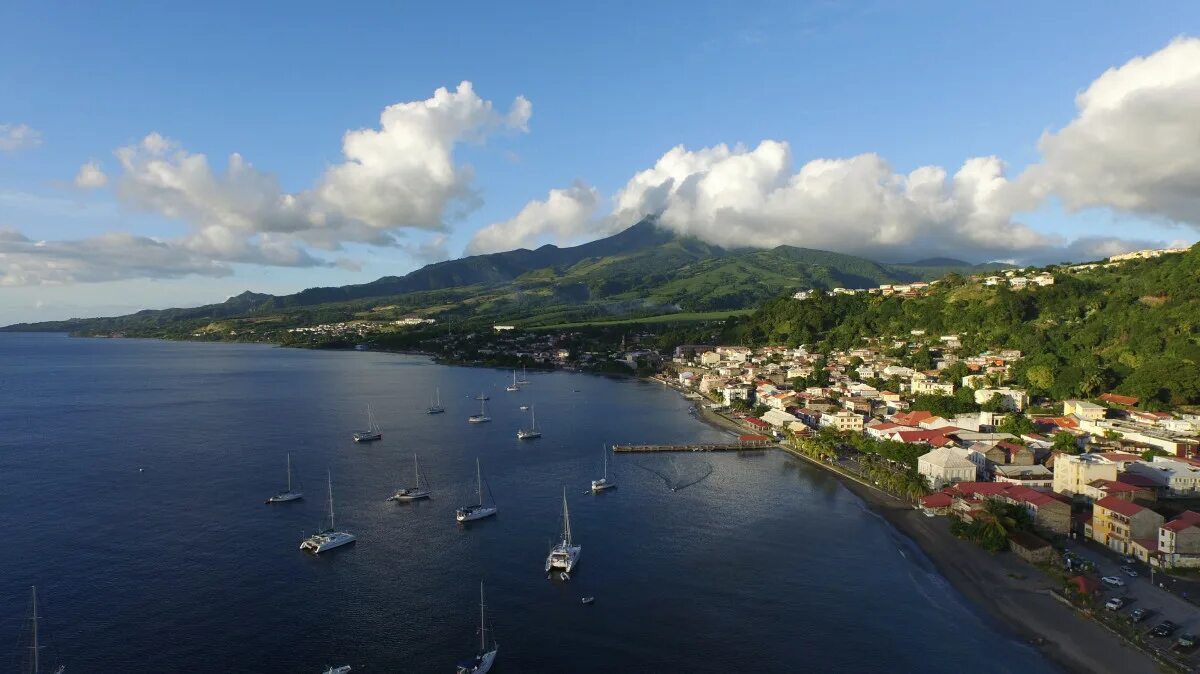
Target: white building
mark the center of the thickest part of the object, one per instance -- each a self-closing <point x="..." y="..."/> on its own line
<point x="946" y="465"/>
<point x="1174" y="478"/>
<point x="1072" y="474"/>
<point x="1013" y="399"/>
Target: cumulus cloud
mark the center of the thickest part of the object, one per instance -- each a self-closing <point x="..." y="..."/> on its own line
<point x="15" y="137"/>
<point x="753" y="197"/>
<point x="399" y="176"/>
<point x="90" y="176"/>
<point x="565" y="216"/>
<point x="109" y="257"/>
<point x="1134" y="145"/>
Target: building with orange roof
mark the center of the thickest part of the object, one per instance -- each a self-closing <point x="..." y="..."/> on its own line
<point x="1117" y="523"/>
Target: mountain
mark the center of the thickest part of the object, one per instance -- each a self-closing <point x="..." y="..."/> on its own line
<point x="641" y="270"/>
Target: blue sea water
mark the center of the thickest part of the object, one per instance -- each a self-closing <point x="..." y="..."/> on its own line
<point x="132" y="480"/>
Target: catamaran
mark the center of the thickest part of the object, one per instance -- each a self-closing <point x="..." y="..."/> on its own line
<point x="513" y="386"/>
<point x="36" y="649"/>
<point x="603" y="483"/>
<point x="531" y="432"/>
<point x="436" y="406"/>
<point x="372" y="433"/>
<point x="482" y="662"/>
<point x="482" y="417"/>
<point x="415" y="492"/>
<point x="329" y="538"/>
<point x="290" y="494"/>
<point x="478" y="510"/>
<point x="565" y="555"/>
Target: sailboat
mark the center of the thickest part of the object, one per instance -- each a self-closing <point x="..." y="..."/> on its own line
<point x="36" y="649"/>
<point x="289" y="495"/>
<point x="478" y="510"/>
<point x="565" y="555"/>
<point x="513" y="386"/>
<point x="372" y="433"/>
<point x="414" y="492"/>
<point x="523" y="379"/>
<point x="331" y="537"/>
<point x="483" y="396"/>
<point x="603" y="483"/>
<point x="482" y="662"/>
<point x="482" y="417"/>
<point x="436" y="406"/>
<point x="531" y="432"/>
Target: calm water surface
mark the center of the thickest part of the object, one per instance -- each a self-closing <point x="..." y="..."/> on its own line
<point x="763" y="564"/>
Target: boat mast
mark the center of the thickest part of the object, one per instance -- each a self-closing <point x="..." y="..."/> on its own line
<point x="605" y="463"/>
<point x="330" y="478"/>
<point x="482" y="625"/>
<point x="478" y="485"/>
<point x="34" y="618"/>
<point x="533" y="417"/>
<point x="566" y="519"/>
<point x="289" y="472"/>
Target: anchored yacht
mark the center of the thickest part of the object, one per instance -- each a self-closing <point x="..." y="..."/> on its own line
<point x="482" y="662"/>
<point x="290" y="494"/>
<point x="513" y="386"/>
<point x="435" y="407"/>
<point x="565" y="555"/>
<point x="531" y="432"/>
<point x="603" y="483"/>
<point x="415" y="492"/>
<point x="330" y="538"/>
<point x="478" y="510"/>
<point x="482" y="417"/>
<point x="372" y="433"/>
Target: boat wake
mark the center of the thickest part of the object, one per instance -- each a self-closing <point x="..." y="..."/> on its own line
<point x="678" y="479"/>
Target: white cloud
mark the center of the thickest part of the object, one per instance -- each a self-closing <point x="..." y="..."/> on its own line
<point x="565" y="215"/>
<point x="15" y="137"/>
<point x="90" y="176"/>
<point x="399" y="176"/>
<point x="752" y="197"/>
<point x="1134" y="145"/>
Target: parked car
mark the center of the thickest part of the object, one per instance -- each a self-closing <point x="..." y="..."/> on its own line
<point x="1164" y="629"/>
<point x="1130" y="571"/>
<point x="1186" y="640"/>
<point x="1112" y="581"/>
<point x="1137" y="615"/>
<point x="1115" y="604"/>
<point x="1128" y="560"/>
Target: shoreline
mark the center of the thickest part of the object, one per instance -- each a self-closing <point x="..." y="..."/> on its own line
<point x="1008" y="592"/>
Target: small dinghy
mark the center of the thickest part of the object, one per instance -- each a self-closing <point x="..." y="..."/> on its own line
<point x="587" y="600"/>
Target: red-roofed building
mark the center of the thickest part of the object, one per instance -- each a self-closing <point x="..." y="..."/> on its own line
<point x="1116" y="523"/>
<point x="753" y="438"/>
<point x="937" y="503"/>
<point x="758" y="423"/>
<point x="1098" y="489"/>
<point x="911" y="418"/>
<point x="1115" y="399"/>
<point x="1049" y="511"/>
<point x="1179" y="541"/>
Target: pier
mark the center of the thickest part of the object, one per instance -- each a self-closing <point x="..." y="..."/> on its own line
<point x="699" y="447"/>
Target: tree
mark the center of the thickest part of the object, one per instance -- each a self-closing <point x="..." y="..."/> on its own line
<point x="997" y="403"/>
<point x="1149" y="454"/>
<point x="1066" y="443"/>
<point x="1016" y="423"/>
<point x="954" y="372"/>
<point x="1040" y="377"/>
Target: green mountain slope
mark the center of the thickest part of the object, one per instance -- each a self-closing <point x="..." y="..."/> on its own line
<point x="1134" y="327"/>
<point x="643" y="270"/>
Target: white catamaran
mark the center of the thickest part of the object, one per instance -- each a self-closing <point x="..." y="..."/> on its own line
<point x="482" y="662"/>
<point x="329" y="538"/>
<point x="372" y="433"/>
<point x="35" y="658"/>
<point x="565" y="555"/>
<point x="436" y="406"/>
<point x="415" y="492"/>
<point x="482" y="417"/>
<point x="531" y="432"/>
<point x="478" y="510"/>
<point x="290" y="494"/>
<point x="603" y="483"/>
<point x="513" y="386"/>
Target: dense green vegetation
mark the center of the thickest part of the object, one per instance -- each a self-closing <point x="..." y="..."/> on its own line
<point x="642" y="272"/>
<point x="1133" y="328"/>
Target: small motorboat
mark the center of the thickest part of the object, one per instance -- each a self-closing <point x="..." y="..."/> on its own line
<point x="337" y="670"/>
<point x="587" y="600"/>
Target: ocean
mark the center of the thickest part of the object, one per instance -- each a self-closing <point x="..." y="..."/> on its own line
<point x="133" y="475"/>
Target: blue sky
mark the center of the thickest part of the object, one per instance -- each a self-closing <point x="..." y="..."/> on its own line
<point x="612" y="88"/>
